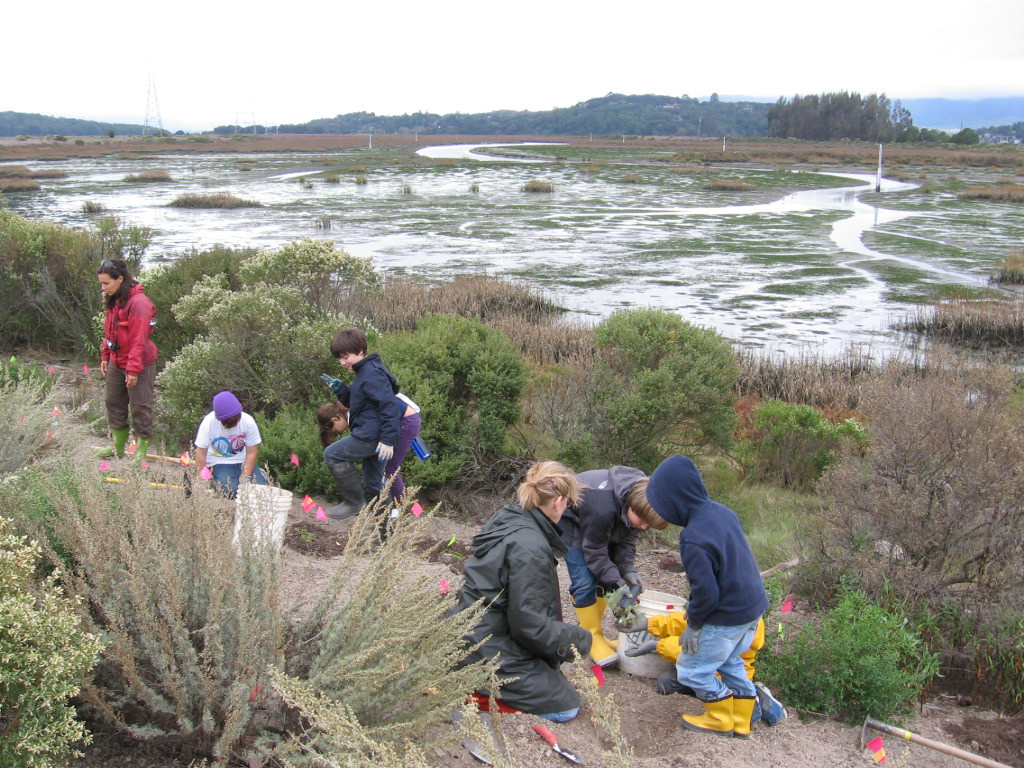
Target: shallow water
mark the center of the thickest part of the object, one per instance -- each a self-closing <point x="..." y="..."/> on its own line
<point x="781" y="268"/>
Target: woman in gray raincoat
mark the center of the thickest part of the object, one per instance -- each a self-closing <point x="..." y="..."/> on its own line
<point x="513" y="569"/>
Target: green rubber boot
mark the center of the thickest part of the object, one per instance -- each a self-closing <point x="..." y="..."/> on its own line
<point x="141" y="447"/>
<point x="118" y="439"/>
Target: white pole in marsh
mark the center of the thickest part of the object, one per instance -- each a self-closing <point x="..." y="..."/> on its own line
<point x="878" y="178"/>
<point x="370" y="135"/>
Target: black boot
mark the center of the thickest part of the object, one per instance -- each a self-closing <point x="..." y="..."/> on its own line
<point x="349" y="483"/>
<point x="668" y="684"/>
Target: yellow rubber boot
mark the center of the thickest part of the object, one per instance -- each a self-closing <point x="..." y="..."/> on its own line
<point x="602" y="604"/>
<point x="717" y="718"/>
<point x="590" y="619"/>
<point x="742" y="711"/>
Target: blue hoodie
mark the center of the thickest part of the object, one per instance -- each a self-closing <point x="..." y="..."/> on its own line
<point x="725" y="584"/>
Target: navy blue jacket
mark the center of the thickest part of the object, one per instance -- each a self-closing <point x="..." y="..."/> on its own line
<point x="375" y="414"/>
<point x="725" y="585"/>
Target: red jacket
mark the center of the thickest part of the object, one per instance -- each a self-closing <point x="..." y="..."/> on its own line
<point x="130" y="327"/>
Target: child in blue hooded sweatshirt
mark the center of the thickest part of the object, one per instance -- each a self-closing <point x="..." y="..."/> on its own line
<point x="727" y="598"/>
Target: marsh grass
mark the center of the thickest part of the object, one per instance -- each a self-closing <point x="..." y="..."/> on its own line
<point x="1010" y="193"/>
<point x="974" y="322"/>
<point x="148" y="177"/>
<point x="14" y="184"/>
<point x="536" y="185"/>
<point x="91" y="206"/>
<point x="812" y="379"/>
<point x="1011" y="269"/>
<point x="729" y="185"/>
<point x="632" y="178"/>
<point x="332" y="177"/>
<point x="360" y="180"/>
<point x="218" y="200"/>
<point x="15" y="171"/>
<point x="48" y="173"/>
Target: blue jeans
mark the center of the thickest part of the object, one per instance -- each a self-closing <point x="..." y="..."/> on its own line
<point x="561" y="717"/>
<point x="352" y="449"/>
<point x="227" y="477"/>
<point x="718" y="651"/>
<point x="583" y="587"/>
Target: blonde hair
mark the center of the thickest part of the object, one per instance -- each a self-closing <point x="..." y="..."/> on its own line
<point x="545" y="481"/>
<point x="636" y="499"/>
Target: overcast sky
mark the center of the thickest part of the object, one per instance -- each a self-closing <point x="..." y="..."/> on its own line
<point x="290" y="62"/>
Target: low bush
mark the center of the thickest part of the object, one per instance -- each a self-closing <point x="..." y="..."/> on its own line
<point x="293" y="429"/>
<point x="27" y="405"/>
<point x="44" y="657"/>
<point x="91" y="206"/>
<point x="794" y="444"/>
<point x="468" y="381"/>
<point x="932" y="509"/>
<point x="860" y="661"/>
<point x="191" y="620"/>
<point x="397" y="687"/>
<point x="219" y="200"/>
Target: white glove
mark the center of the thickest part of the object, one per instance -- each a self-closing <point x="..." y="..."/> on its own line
<point x="385" y="452"/>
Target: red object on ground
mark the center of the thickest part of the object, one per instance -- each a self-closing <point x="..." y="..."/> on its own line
<point x="483" y="703"/>
<point x="599" y="674"/>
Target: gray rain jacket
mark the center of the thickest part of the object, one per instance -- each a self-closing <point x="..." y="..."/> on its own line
<point x="513" y="569"/>
<point x="598" y="524"/>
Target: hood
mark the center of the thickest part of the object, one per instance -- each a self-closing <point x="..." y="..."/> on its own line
<point x="507" y="521"/>
<point x="676" y="490"/>
<point x="622" y="480"/>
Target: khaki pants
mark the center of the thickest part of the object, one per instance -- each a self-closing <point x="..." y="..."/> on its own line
<point x="139" y="400"/>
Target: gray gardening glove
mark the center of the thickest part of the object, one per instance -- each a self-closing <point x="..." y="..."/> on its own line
<point x="385" y="452"/>
<point x="632" y="579"/>
<point x="627" y="625"/>
<point x="644" y="648"/>
<point x="337" y="385"/>
<point x="690" y="641"/>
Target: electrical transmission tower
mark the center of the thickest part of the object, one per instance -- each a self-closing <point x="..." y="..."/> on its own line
<point x="152" y="109"/>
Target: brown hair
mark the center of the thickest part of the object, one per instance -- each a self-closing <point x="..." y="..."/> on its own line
<point x="349" y="341"/>
<point x="232" y="421"/>
<point x="116" y="268"/>
<point x="325" y="416"/>
<point x="545" y="481"/>
<point x="636" y="499"/>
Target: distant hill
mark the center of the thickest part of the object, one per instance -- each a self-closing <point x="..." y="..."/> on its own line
<point x="28" y="124"/>
<point x="613" y="114"/>
<point x="952" y="114"/>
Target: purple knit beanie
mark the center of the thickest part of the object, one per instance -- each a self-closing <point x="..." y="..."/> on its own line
<point x="226" y="405"/>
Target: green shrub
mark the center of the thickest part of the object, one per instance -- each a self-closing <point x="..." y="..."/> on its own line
<point x="264" y="343"/>
<point x="191" y="620"/>
<point x="795" y="444"/>
<point x="468" y="381"/>
<point x="294" y="429"/>
<point x="665" y="385"/>
<point x="48" y="289"/>
<point x="168" y="282"/>
<point x="861" y="661"/>
<point x="44" y="656"/>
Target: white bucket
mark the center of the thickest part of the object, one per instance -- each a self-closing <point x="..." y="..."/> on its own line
<point x="653" y="665"/>
<point x="265" y="508"/>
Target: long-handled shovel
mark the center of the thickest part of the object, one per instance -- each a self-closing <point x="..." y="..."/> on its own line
<point x="900" y="733"/>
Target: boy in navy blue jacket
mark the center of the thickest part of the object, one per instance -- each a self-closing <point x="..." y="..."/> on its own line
<point x="727" y="598"/>
<point x="374" y="419"/>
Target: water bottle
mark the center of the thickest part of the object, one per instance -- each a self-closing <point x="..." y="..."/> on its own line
<point x="420" y="449"/>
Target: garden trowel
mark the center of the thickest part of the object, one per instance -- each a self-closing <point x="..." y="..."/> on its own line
<point x="549" y="737"/>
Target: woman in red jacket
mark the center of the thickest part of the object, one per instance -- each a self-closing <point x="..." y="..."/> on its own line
<point x="127" y="356"/>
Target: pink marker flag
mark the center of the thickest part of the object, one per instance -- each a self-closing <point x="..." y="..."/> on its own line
<point x="295" y="460"/>
<point x="787" y="605"/>
<point x="185" y="459"/>
<point x="50" y="371"/>
<point x="206" y="474"/>
<point x="598" y="674"/>
<point x="104" y="465"/>
<point x="85" y="369"/>
<point x="145" y="465"/>
<point x="444" y="587"/>
<point x="416" y="509"/>
<point x="877" y="749"/>
<point x="57" y="411"/>
<point x="307" y="503"/>
<point x="320" y="514"/>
